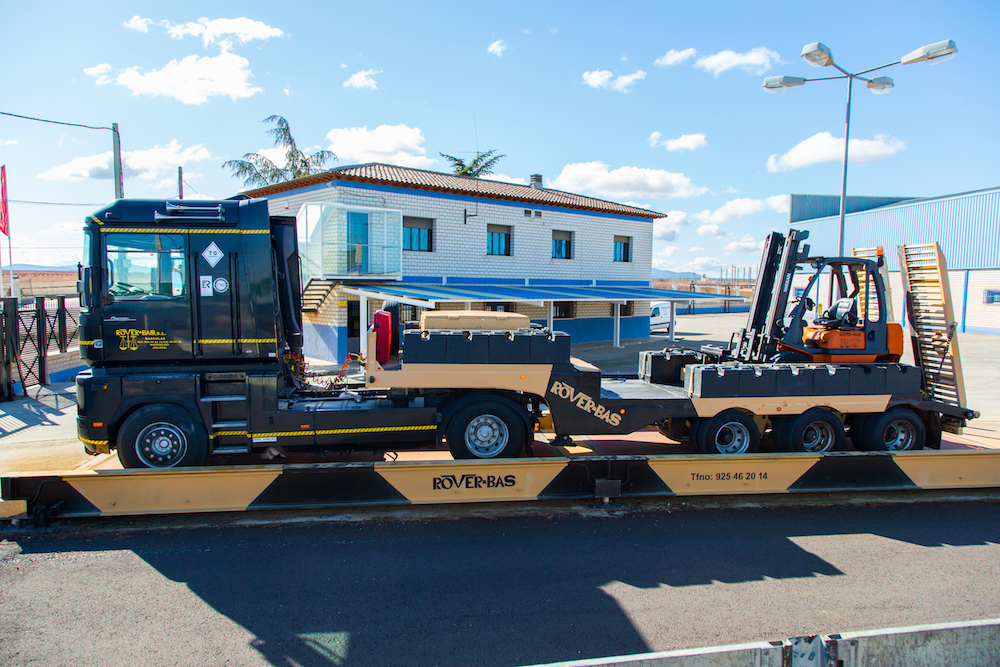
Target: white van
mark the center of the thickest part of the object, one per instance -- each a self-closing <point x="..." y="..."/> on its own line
<point x="659" y="316"/>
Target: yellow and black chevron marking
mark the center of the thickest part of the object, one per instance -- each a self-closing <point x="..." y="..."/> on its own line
<point x="105" y="493"/>
<point x="85" y="343"/>
<point x="98" y="443"/>
<point x="333" y="431"/>
<point x="178" y="230"/>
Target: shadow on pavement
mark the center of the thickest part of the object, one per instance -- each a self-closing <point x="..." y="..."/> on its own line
<point x="503" y="591"/>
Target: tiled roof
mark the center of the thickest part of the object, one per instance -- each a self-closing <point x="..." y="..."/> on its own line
<point x="419" y="179"/>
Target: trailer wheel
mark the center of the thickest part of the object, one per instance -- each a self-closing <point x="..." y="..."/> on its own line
<point x="485" y="430"/>
<point x="729" y="432"/>
<point x="856" y="431"/>
<point x="816" y="431"/>
<point x="161" y="436"/>
<point x="778" y="426"/>
<point x="897" y="430"/>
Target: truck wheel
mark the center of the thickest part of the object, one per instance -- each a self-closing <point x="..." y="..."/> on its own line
<point x="486" y="430"/>
<point x="856" y="431"/>
<point x="897" y="430"/>
<point x="932" y="425"/>
<point x="729" y="432"/>
<point x="161" y="436"/>
<point x="778" y="427"/>
<point x="816" y="431"/>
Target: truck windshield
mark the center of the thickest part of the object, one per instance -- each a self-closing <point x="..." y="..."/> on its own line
<point x="144" y="266"/>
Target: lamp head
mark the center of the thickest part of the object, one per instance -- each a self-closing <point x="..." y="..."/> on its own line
<point x="880" y="85"/>
<point x="938" y="52"/>
<point x="817" y="54"/>
<point x="778" y="84"/>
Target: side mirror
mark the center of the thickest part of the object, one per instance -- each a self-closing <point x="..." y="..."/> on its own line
<point x="85" y="286"/>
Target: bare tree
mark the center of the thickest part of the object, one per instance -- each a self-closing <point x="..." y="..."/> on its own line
<point x="258" y="171"/>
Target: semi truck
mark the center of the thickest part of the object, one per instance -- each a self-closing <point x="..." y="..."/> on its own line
<point x="191" y="326"/>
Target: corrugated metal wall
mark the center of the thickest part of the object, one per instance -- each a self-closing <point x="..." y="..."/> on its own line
<point x="810" y="207"/>
<point x="966" y="226"/>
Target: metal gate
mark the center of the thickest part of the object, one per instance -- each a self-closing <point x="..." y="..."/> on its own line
<point x="32" y="331"/>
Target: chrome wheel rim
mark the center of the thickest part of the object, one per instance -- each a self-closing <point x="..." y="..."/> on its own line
<point x="900" y="436"/>
<point x="486" y="436"/>
<point x="161" y="445"/>
<point x="818" y="437"/>
<point x="732" y="438"/>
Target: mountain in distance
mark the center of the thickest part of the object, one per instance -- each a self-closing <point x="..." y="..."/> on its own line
<point x="36" y="267"/>
<point x="663" y="274"/>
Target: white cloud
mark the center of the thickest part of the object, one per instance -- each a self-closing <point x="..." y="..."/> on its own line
<point x="527" y="31"/>
<point x="394" y="144"/>
<point x="654" y="138"/>
<point x="243" y="29"/>
<point x="603" y="79"/>
<point x="667" y="251"/>
<point x="8" y="142"/>
<point x="101" y="72"/>
<point x="58" y="244"/>
<point x="625" y="182"/>
<point x="685" y="142"/>
<point x="343" y="65"/>
<point x="672" y="57"/>
<point x="824" y="147"/>
<point x="146" y="164"/>
<point x="497" y="48"/>
<point x="696" y="249"/>
<point x="638" y="205"/>
<point x="194" y="79"/>
<point x="711" y="230"/>
<point x="140" y="24"/>
<point x="597" y="78"/>
<point x="622" y="83"/>
<point x="778" y="203"/>
<point x="667" y="229"/>
<point x="504" y="178"/>
<point x="287" y="91"/>
<point x="697" y="265"/>
<point x="730" y="190"/>
<point x="363" y="79"/>
<point x="746" y="243"/>
<point x="755" y="61"/>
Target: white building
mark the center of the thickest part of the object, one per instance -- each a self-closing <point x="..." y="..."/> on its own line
<point x="465" y="243"/>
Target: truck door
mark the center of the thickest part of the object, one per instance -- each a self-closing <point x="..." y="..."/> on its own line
<point x="146" y="312"/>
<point x="223" y="330"/>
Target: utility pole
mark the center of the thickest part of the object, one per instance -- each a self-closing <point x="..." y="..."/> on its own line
<point x="117" y="157"/>
<point x="180" y="182"/>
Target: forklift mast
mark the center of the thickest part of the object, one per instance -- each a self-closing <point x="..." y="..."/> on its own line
<point x="757" y="343"/>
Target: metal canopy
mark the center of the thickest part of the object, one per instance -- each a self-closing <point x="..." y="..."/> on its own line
<point x="429" y="295"/>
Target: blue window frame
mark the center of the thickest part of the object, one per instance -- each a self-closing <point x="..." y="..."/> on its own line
<point x="623" y="249"/>
<point x="418" y="234"/>
<point x="497" y="240"/>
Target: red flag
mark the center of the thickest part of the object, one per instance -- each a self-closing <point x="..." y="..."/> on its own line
<point x="4" y="220"/>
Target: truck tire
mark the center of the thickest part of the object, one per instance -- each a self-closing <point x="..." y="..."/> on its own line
<point x="856" y="431"/>
<point x="729" y="432"/>
<point x="816" y="431"/>
<point x="161" y="436"/>
<point x="778" y="426"/>
<point x="485" y="430"/>
<point x="898" y="430"/>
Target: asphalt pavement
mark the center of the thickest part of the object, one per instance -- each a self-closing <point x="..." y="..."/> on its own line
<point x="491" y="591"/>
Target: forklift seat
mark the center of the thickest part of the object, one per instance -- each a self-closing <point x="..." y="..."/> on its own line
<point x="843" y="313"/>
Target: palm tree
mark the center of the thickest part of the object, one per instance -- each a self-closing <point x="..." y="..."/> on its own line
<point x="258" y="171"/>
<point x="481" y="165"/>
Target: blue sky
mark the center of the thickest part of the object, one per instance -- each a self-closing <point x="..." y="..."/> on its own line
<point x="658" y="104"/>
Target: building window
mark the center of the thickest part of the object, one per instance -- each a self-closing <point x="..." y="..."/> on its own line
<point x="538" y="214"/>
<point x="527" y="213"/>
<point x="624" y="310"/>
<point x="418" y="234"/>
<point x="991" y="296"/>
<point x="623" y="248"/>
<point x="500" y="307"/>
<point x="562" y="245"/>
<point x="497" y="240"/>
<point x="563" y="310"/>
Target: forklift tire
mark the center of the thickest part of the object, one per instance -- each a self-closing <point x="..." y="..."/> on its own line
<point x="856" y="429"/>
<point x="161" y="436"/>
<point x="729" y="432"/>
<point x="898" y="430"/>
<point x="485" y="430"/>
<point x="816" y="431"/>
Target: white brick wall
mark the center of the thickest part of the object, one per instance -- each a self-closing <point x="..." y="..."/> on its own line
<point x="460" y="249"/>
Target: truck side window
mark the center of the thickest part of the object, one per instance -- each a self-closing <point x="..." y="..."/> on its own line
<point x="146" y="266"/>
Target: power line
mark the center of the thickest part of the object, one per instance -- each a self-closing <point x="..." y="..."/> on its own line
<point x="54" y="122"/>
<point x="50" y="203"/>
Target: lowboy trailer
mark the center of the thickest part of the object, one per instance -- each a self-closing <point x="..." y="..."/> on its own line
<point x="191" y="325"/>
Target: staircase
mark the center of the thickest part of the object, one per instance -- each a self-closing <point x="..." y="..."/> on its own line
<point x="315" y="293"/>
<point x="932" y="324"/>
<point x="223" y="399"/>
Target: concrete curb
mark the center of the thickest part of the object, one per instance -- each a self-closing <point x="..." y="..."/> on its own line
<point x="960" y="644"/>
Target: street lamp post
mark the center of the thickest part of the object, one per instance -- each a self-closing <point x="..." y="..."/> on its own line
<point x="819" y="55"/>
